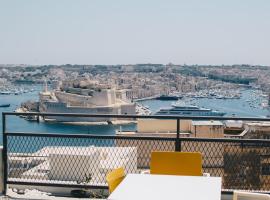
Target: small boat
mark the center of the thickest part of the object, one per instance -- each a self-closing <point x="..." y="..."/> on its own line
<point x="5" y="92"/>
<point x="4" y="105"/>
<point x="168" y="97"/>
<point x="32" y="118"/>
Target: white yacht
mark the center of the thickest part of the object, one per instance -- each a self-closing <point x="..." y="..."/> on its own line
<point x="179" y="108"/>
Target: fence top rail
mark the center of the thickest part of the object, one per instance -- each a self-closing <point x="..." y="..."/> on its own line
<point x="191" y="139"/>
<point x="137" y="116"/>
<point x="91" y="136"/>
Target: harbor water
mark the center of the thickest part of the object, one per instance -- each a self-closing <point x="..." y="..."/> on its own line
<point x="249" y="105"/>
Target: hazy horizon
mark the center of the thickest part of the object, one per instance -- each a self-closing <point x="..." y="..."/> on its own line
<point x="93" y="32"/>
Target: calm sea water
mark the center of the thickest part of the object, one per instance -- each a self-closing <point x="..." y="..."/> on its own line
<point x="247" y="106"/>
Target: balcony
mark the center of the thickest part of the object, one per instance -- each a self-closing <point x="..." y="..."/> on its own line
<point x="58" y="163"/>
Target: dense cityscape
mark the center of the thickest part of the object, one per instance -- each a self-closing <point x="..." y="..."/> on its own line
<point x="145" y="80"/>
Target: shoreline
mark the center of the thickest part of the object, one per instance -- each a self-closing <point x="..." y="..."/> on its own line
<point x="145" y="98"/>
<point x="116" y="122"/>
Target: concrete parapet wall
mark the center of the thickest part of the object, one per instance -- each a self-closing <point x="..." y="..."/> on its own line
<point x="162" y="126"/>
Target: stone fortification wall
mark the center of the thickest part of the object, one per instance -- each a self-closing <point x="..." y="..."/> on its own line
<point x="102" y="98"/>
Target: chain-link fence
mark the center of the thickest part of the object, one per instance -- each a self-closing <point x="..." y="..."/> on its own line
<point x="83" y="160"/>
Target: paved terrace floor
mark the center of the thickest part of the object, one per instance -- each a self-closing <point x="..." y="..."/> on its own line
<point x="37" y="195"/>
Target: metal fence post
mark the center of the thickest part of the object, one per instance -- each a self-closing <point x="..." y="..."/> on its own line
<point x="177" y="141"/>
<point x="4" y="155"/>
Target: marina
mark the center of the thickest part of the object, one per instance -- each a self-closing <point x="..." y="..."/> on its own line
<point x="215" y="94"/>
<point x="15" y="90"/>
<point x="248" y="105"/>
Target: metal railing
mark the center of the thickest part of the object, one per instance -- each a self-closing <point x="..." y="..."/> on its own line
<point x="83" y="160"/>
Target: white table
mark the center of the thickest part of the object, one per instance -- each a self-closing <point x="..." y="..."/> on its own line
<point x="163" y="187"/>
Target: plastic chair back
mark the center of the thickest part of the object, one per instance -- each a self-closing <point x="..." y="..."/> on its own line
<point x="114" y="178"/>
<point x="176" y="163"/>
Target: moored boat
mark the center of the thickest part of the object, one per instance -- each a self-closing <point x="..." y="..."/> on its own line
<point x="168" y="97"/>
<point x="188" y="110"/>
<point x="4" y="105"/>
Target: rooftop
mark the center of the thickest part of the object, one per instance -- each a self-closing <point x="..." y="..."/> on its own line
<point x="207" y="123"/>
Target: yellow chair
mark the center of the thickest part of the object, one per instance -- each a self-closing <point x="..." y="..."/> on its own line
<point x="176" y="163"/>
<point x="114" y="178"/>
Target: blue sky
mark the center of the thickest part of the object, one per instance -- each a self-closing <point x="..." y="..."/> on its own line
<point x="138" y="31"/>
